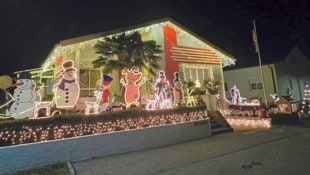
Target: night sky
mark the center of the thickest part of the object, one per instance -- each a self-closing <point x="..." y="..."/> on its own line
<point x="30" y="28"/>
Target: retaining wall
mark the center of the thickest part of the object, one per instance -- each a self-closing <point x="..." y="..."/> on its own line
<point x="28" y="156"/>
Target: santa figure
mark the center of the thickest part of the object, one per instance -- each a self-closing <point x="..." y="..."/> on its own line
<point x="105" y="91"/>
<point x="67" y="90"/>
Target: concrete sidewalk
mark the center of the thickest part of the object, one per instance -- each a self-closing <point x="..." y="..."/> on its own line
<point x="280" y="150"/>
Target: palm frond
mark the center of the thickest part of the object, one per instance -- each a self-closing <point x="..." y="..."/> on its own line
<point x="127" y="50"/>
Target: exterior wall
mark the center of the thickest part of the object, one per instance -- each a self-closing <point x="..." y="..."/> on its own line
<point x="293" y="78"/>
<point x="242" y="78"/>
<point x="292" y="74"/>
<point x="21" y="157"/>
<point x="83" y="53"/>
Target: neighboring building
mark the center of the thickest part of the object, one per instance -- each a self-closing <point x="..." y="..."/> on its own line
<point x="290" y="74"/>
<point x="183" y="51"/>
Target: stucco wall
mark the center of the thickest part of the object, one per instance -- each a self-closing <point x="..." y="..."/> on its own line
<point x="241" y="78"/>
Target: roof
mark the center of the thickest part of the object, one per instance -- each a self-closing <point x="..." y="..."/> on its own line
<point x="78" y="42"/>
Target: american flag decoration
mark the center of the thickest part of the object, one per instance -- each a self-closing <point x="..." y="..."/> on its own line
<point x="194" y="55"/>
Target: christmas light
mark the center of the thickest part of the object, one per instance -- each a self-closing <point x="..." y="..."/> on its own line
<point x="60" y="49"/>
<point x="250" y="123"/>
<point x="190" y="101"/>
<point x="32" y="133"/>
<point x="163" y="100"/>
<point x="42" y="105"/>
<point x="93" y="105"/>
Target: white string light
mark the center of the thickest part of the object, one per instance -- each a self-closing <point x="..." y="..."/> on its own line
<point x="60" y="50"/>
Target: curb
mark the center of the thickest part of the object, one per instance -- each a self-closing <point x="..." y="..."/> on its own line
<point x="71" y="168"/>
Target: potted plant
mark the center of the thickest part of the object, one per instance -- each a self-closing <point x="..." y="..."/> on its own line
<point x="212" y="86"/>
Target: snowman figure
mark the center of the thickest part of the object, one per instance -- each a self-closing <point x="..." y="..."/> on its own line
<point x="24" y="96"/>
<point x="67" y="90"/>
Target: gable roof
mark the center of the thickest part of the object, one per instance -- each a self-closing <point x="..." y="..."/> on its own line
<point x="79" y="42"/>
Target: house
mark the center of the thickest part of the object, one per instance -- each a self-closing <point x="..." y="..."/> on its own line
<point x="193" y="57"/>
<point x="281" y="78"/>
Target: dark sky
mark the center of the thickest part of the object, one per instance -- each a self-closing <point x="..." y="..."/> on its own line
<point x="30" y="28"/>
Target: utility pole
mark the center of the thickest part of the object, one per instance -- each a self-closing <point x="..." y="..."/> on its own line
<point x="255" y="39"/>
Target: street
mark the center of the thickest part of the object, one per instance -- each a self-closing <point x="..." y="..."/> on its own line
<point x="280" y="150"/>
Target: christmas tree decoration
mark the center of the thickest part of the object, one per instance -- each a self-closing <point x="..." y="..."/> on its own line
<point x="67" y="90"/>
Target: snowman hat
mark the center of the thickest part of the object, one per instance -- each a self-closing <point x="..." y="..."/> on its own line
<point x="68" y="65"/>
<point x="25" y="75"/>
<point x="106" y="79"/>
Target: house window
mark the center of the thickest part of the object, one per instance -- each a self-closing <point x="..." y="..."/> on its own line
<point x="255" y="84"/>
<point x="88" y="79"/>
<point x="193" y="72"/>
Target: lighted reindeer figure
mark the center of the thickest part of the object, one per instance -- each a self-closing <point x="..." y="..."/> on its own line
<point x="94" y="105"/>
<point x="152" y="104"/>
<point x="190" y="102"/>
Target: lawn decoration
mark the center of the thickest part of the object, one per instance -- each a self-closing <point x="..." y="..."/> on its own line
<point x="25" y="97"/>
<point x="178" y="92"/>
<point x="132" y="83"/>
<point x="42" y="105"/>
<point x="212" y="86"/>
<point x="5" y="97"/>
<point x="107" y="79"/>
<point x="94" y="106"/>
<point x="163" y="96"/>
<point x="190" y="102"/>
<point x="67" y="90"/>
<point x="235" y="96"/>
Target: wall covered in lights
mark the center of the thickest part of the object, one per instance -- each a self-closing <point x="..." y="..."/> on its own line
<point x="180" y="48"/>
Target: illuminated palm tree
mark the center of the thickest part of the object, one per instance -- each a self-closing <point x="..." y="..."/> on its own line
<point x="128" y="50"/>
<point x="124" y="50"/>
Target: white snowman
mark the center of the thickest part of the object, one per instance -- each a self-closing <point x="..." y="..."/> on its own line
<point x="24" y="96"/>
<point x="67" y="90"/>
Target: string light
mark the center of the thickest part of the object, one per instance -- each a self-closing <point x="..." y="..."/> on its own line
<point x="32" y="133"/>
<point x="252" y="123"/>
<point x="60" y="49"/>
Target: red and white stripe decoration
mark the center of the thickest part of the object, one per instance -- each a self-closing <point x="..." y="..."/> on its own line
<point x="194" y="55"/>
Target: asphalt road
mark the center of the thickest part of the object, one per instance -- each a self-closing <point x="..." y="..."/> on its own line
<point x="280" y="150"/>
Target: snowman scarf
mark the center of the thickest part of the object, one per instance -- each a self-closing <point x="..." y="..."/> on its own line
<point x="62" y="83"/>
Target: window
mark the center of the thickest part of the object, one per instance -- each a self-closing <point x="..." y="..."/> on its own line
<point x="193" y="72"/>
<point x="255" y="84"/>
